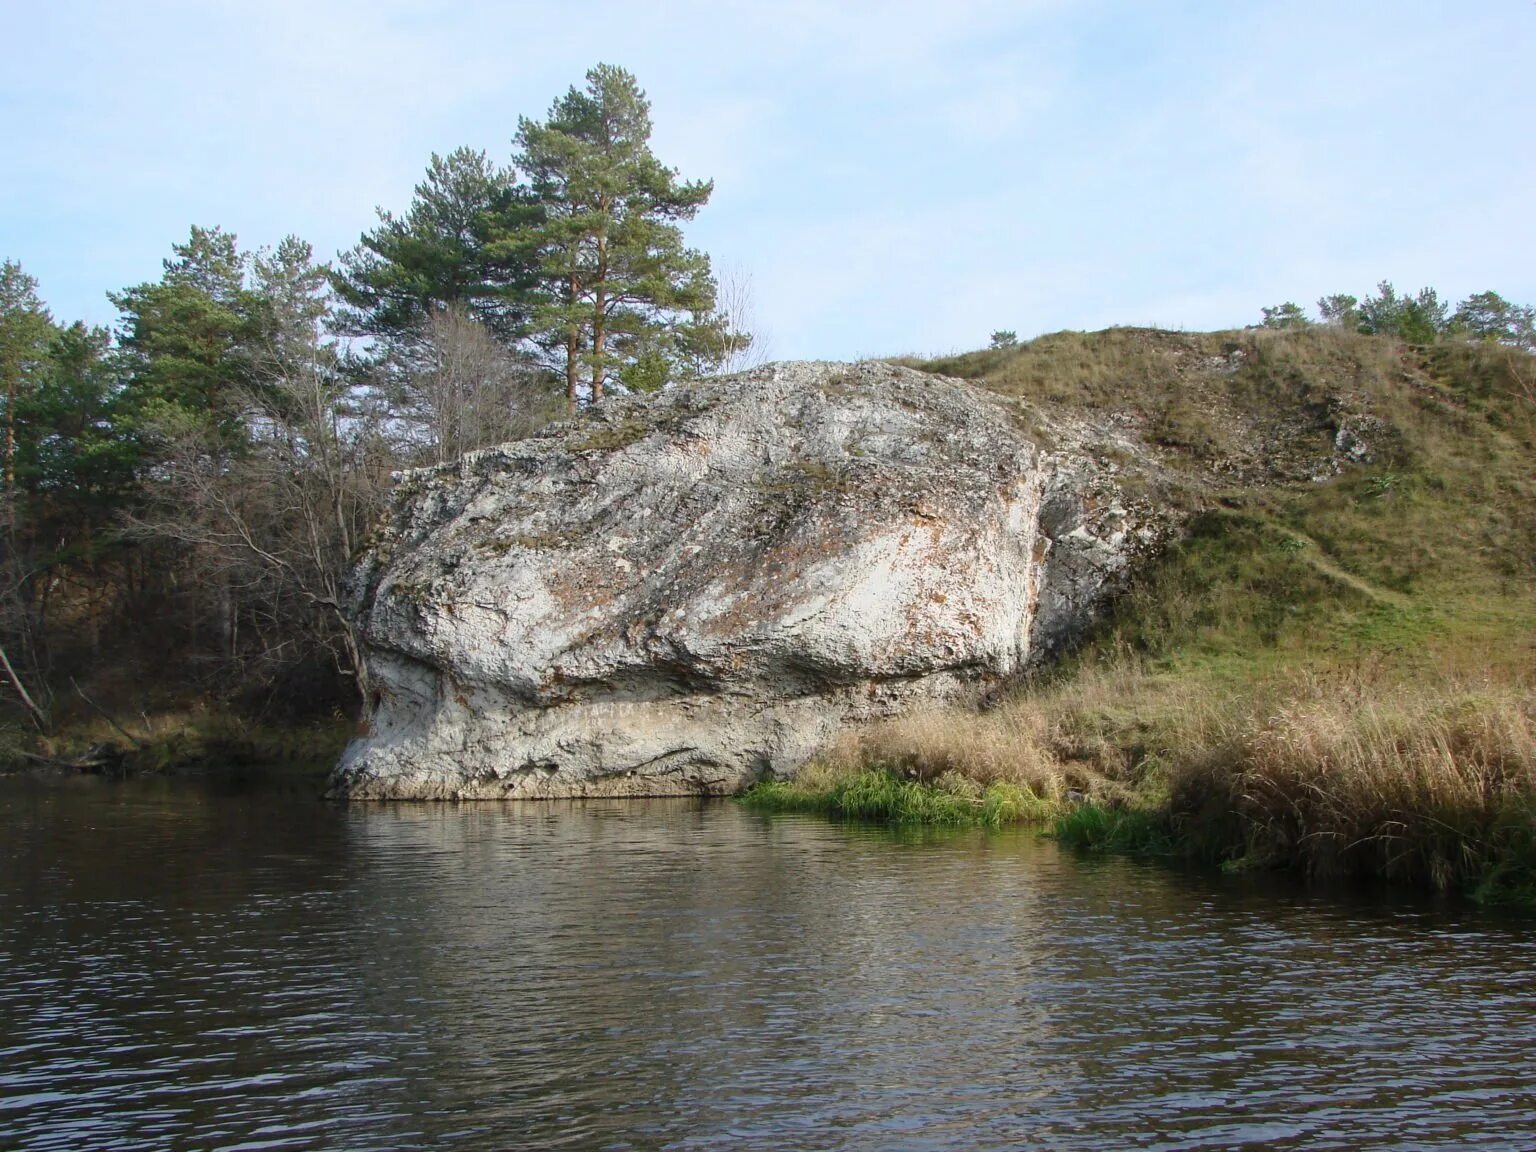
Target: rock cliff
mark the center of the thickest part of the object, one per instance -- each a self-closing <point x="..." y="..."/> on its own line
<point x="684" y="592"/>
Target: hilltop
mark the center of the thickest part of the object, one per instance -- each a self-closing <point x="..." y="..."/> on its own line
<point x="1346" y="494"/>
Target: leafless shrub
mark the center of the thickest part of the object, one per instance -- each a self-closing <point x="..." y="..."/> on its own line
<point x="466" y="390"/>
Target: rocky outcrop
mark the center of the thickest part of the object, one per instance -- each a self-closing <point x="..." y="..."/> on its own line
<point x="685" y="592"/>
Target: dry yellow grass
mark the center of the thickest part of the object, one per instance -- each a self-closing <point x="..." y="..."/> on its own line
<point x="1417" y="780"/>
<point x="1003" y="746"/>
<point x="1358" y="771"/>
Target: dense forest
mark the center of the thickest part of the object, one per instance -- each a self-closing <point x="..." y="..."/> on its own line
<point x="183" y="493"/>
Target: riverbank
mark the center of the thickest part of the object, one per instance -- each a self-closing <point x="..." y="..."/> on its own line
<point x="1327" y="667"/>
<point x="1329" y="671"/>
<point x="1428" y="781"/>
<point x="177" y="741"/>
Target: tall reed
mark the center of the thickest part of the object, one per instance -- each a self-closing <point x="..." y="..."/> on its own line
<point x="1343" y="772"/>
<point x="1429" y="782"/>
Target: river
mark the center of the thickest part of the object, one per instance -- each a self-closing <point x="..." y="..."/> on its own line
<point x="238" y="965"/>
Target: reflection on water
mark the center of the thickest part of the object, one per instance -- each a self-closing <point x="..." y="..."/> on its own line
<point x="184" y="969"/>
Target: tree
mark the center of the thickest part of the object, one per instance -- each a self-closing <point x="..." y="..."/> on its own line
<point x="185" y="353"/>
<point x="1418" y="319"/>
<point x="622" y="295"/>
<point x="26" y="332"/>
<point x="467" y="391"/>
<point x="1484" y="316"/>
<point x="1425" y="317"/>
<point x="77" y="463"/>
<point x="76" y="446"/>
<point x="1488" y="316"/>
<point x="1004" y="338"/>
<point x="718" y="340"/>
<point x="1339" y="310"/>
<point x="458" y="244"/>
<point x="183" y="339"/>
<point x="1382" y="314"/>
<point x="257" y="470"/>
<point x="1287" y="315"/>
<point x="279" y="521"/>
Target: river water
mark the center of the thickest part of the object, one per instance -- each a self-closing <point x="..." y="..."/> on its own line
<point x="185" y="965"/>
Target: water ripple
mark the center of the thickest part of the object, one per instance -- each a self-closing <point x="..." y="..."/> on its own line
<point x="190" y="970"/>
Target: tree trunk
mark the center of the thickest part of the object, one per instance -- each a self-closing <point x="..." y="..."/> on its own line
<point x="10" y="439"/>
<point x="572" y="355"/>
<point x="359" y="665"/>
<point x="572" y="367"/>
<point x="224" y="610"/>
<point x="39" y="717"/>
<point x="599" y="316"/>
<point x="10" y="461"/>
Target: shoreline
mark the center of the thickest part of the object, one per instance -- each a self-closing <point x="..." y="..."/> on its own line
<point x="178" y="742"/>
<point x="1427" y="781"/>
<point x="877" y="796"/>
<point x="1419" y="778"/>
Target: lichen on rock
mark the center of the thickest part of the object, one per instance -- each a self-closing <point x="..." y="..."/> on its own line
<point x="685" y="592"/>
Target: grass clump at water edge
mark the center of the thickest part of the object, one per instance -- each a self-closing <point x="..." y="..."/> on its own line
<point x="954" y="768"/>
<point x="177" y="740"/>
<point x="1095" y="827"/>
<point x="880" y="795"/>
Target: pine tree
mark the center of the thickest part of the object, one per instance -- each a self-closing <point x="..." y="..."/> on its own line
<point x="623" y="295"/>
<point x="454" y="246"/>
<point x="1488" y="316"/>
<point x="1340" y="310"/>
<point x="1287" y="315"/>
<point x="26" y="333"/>
<point x="184" y="340"/>
<point x="26" y="330"/>
<point x="1417" y="319"/>
<point x="75" y="445"/>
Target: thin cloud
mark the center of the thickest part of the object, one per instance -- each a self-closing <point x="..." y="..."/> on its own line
<point x="890" y="175"/>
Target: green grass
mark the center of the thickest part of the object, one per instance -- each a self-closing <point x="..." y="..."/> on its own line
<point x="1092" y="827"/>
<point x="1507" y="872"/>
<point x="878" y="795"/>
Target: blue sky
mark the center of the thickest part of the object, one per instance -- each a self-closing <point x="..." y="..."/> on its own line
<point x="899" y="177"/>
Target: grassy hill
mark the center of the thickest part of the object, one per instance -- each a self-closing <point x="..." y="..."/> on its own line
<point x="1422" y="551"/>
<point x="1329" y="669"/>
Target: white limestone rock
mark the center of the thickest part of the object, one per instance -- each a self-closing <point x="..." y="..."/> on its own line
<point x="686" y="592"/>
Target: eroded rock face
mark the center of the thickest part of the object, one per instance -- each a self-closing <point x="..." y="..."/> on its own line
<point x="683" y="593"/>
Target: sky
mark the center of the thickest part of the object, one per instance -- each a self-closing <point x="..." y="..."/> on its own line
<point x="890" y="178"/>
